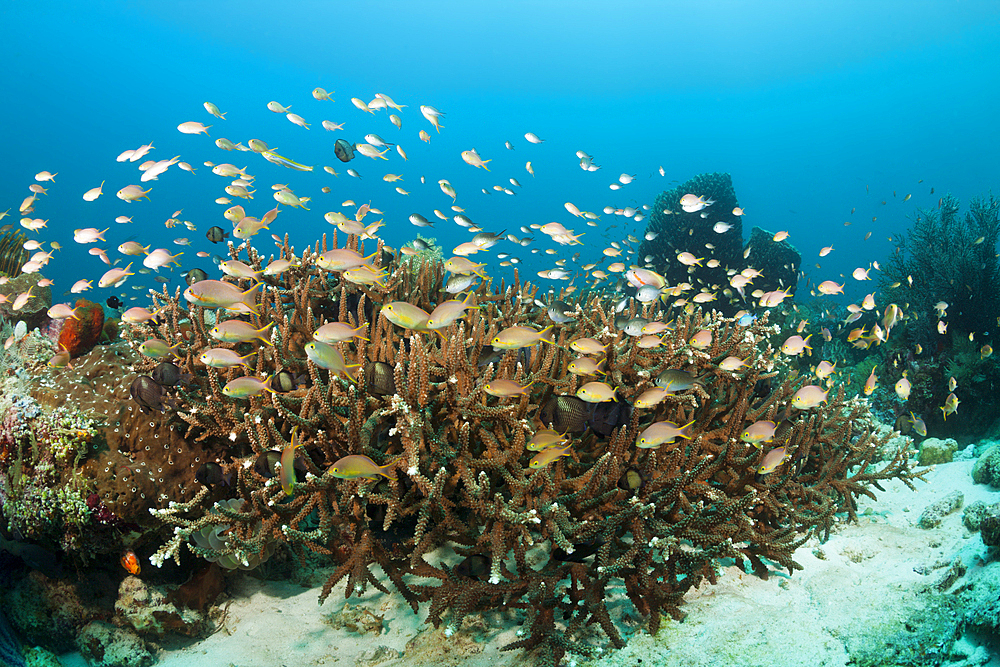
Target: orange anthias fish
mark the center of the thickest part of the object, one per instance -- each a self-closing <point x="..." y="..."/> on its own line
<point x="130" y="562"/>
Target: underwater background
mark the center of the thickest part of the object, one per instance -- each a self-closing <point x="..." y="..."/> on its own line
<point x="842" y="125"/>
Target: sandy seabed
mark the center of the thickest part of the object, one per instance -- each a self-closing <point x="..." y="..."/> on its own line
<point x="858" y="586"/>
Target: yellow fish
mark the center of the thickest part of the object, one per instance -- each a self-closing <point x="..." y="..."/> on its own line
<point x="358" y="466"/>
<point x="547" y="456"/>
<point x="286" y="475"/>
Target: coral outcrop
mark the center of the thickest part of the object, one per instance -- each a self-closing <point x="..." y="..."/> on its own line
<point x="456" y="468"/>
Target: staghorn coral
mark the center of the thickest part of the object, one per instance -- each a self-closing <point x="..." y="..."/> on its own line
<point x="549" y="542"/>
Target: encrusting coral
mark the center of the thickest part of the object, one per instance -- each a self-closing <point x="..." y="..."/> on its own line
<point x="548" y="540"/>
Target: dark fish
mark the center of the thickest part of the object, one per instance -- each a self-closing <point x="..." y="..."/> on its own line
<point x="459" y="283"/>
<point x="212" y="473"/>
<point x="194" y="276"/>
<point x="476" y="566"/>
<point x="266" y="463"/>
<point x="379" y="379"/>
<point x="344" y="150"/>
<point x="283" y="381"/>
<point x="489" y="355"/>
<point x="216" y="234"/>
<point x="168" y="374"/>
<point x="566" y="414"/>
<point x="420" y="244"/>
<point x="605" y="417"/>
<point x="114" y="302"/>
<point x="581" y="550"/>
<point x="149" y="395"/>
<point x="634" y="326"/>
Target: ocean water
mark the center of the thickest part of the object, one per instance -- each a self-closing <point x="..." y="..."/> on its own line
<point x="837" y="122"/>
<point x="815" y="111"/>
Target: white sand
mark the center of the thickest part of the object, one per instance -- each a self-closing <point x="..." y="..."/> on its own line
<point x="865" y="580"/>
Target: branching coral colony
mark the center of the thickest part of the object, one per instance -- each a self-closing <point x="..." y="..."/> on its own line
<point x="549" y="541"/>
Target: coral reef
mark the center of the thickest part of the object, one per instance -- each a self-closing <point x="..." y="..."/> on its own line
<point x="949" y="258"/>
<point x="714" y="228"/>
<point x="778" y="261"/>
<point x="34" y="312"/>
<point x="104" y="645"/>
<point x="677" y="230"/>
<point x="548" y="540"/>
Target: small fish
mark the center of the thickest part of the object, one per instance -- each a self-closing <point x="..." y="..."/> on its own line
<point x="808" y="397"/>
<point x="130" y="562"/>
<point x="94" y="193"/>
<point x="330" y="358"/>
<point x="596" y="392"/>
<point x="286" y="474"/>
<point x="157" y="349"/>
<point x="516" y="337"/>
<point x="193" y="127"/>
<point x="662" y="432"/>
<point x="547" y="456"/>
<point x="358" y="466"/>
<point x="950" y="405"/>
<point x="245" y="387"/>
<point x="758" y="433"/>
<point x="773" y="460"/>
<point x="506" y="388"/>
<point x="903" y="388"/>
<point x="218" y="357"/>
<point x="796" y="345"/>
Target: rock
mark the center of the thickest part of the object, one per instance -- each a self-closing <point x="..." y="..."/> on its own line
<point x="47" y="612"/>
<point x="990" y="530"/>
<point x="981" y="603"/>
<point x="987" y="467"/>
<point x="104" y="645"/>
<point x="974" y="514"/>
<point x="40" y="657"/>
<point x="81" y="334"/>
<point x="934" y="450"/>
<point x="935" y="513"/>
<point x="147" y="609"/>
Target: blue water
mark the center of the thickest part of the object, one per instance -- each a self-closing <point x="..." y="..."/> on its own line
<point x="815" y="111"/>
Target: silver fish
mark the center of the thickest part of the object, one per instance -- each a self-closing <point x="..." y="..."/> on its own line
<point x="459" y="283"/>
<point x="635" y="325"/>
<point x="561" y="312"/>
